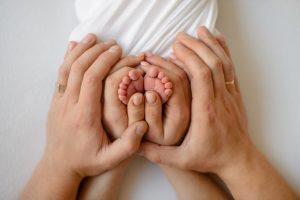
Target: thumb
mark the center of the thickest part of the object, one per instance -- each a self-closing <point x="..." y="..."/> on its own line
<point x="168" y="155"/>
<point x="123" y="147"/>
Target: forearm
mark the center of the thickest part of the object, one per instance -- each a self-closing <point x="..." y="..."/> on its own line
<point x="253" y="177"/>
<point x="49" y="182"/>
<point x="104" y="186"/>
<point x="193" y="185"/>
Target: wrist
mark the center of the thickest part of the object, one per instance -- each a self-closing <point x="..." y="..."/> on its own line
<point x="253" y="177"/>
<point x="51" y="182"/>
<point x="241" y="160"/>
<point x="57" y="170"/>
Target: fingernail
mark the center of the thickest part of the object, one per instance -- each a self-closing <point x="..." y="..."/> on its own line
<point x="141" y="129"/>
<point x="88" y="38"/>
<point x="144" y="63"/>
<point x="71" y="45"/>
<point x="137" y="99"/>
<point x="110" y="42"/>
<point x="172" y="56"/>
<point x="150" y="97"/>
<point x="203" y="30"/>
<point x="114" y="49"/>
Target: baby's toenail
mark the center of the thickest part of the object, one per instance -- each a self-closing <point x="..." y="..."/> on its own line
<point x="137" y="99"/>
<point x="150" y="97"/>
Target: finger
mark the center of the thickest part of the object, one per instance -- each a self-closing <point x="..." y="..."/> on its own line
<point x="130" y="61"/>
<point x="173" y="122"/>
<point x="63" y="74"/>
<point x="198" y="73"/>
<point x="113" y="109"/>
<point x="167" y="155"/>
<point x="136" y="108"/>
<point x="81" y="65"/>
<point x="206" y="37"/>
<point x="222" y="42"/>
<point x="73" y="53"/>
<point x="153" y="116"/>
<point x="91" y="88"/>
<point x="208" y="57"/>
<point x="123" y="147"/>
<point x="174" y="59"/>
<point x="71" y="46"/>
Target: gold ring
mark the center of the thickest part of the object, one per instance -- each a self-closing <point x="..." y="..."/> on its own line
<point x="229" y="82"/>
<point x="61" y="88"/>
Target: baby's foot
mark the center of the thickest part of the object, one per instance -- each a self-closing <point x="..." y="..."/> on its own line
<point x="130" y="84"/>
<point x="156" y="80"/>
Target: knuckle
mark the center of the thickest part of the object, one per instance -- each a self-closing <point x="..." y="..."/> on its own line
<point x="213" y="41"/>
<point x="216" y="63"/>
<point x="211" y="114"/>
<point x="190" y="55"/>
<point x="203" y="73"/>
<point x="130" y="147"/>
<point x="101" y="47"/>
<point x="63" y="72"/>
<point x="153" y="115"/>
<point x="79" y="67"/>
<point x="91" y="77"/>
<point x="84" y="119"/>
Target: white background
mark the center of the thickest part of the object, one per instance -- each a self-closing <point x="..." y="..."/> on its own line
<point x="265" y="43"/>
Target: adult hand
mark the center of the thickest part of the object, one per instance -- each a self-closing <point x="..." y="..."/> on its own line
<point x="107" y="185"/>
<point x="218" y="140"/>
<point x="77" y="145"/>
<point x="218" y="133"/>
<point x="167" y="122"/>
<point x="113" y="109"/>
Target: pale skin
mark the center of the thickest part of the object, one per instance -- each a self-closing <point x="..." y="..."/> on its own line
<point x="217" y="139"/>
<point x="188" y="184"/>
<point x="77" y="145"/>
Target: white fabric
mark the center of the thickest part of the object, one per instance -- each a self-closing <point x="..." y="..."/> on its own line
<point x="143" y="25"/>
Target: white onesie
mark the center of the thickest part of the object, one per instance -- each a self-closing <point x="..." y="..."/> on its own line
<point x="143" y="25"/>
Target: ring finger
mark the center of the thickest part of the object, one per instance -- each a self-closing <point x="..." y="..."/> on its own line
<point x="210" y="40"/>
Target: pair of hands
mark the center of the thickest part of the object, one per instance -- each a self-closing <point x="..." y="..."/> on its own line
<point x="78" y="145"/>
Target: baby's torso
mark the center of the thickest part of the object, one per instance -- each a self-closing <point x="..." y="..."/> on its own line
<point x="143" y="25"/>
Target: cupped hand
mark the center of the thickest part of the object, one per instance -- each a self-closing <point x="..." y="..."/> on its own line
<point x="77" y="144"/>
<point x="116" y="114"/>
<point x="167" y="122"/>
<point x="218" y="133"/>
